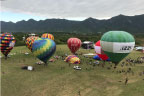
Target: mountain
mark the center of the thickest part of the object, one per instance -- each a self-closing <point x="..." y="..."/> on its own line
<point x="132" y="24"/>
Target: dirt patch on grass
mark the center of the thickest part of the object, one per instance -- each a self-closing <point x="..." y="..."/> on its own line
<point x="132" y="81"/>
<point x="84" y="92"/>
<point x="113" y="91"/>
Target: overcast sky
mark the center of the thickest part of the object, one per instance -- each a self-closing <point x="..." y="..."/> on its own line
<point x="69" y="9"/>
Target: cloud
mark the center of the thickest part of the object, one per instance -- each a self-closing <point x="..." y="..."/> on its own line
<point x="74" y="8"/>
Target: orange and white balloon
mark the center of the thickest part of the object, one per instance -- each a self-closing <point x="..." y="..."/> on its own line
<point x="47" y="35"/>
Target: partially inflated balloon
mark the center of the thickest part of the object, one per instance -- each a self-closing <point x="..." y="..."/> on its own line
<point x="117" y="45"/>
<point x="96" y="57"/>
<point x="43" y="49"/>
<point x="30" y="40"/>
<point x="74" y="44"/>
<point x="99" y="51"/>
<point x="72" y="59"/>
<point x="46" y="35"/>
<point x="7" y="43"/>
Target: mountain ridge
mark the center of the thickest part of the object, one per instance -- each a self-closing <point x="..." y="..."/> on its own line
<point x="132" y="24"/>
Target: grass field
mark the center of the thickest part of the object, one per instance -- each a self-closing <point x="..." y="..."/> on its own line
<point x="60" y="79"/>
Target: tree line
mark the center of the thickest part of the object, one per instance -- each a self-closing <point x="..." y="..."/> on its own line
<point x="62" y="37"/>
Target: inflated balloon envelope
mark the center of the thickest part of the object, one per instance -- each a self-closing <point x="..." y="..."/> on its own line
<point x="43" y="49"/>
<point x="47" y="35"/>
<point x="30" y="40"/>
<point x="7" y="43"/>
<point x="74" y="44"/>
<point x="117" y="45"/>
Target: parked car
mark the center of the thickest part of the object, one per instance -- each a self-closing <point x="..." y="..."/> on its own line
<point x="140" y="48"/>
<point x="77" y="67"/>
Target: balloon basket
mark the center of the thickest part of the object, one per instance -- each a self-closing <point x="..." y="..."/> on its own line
<point x="45" y="64"/>
<point x="6" y="57"/>
<point x="116" y="65"/>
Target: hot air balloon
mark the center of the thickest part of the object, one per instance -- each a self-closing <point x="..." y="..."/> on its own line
<point x="43" y="49"/>
<point x="117" y="45"/>
<point x="96" y="57"/>
<point x="99" y="51"/>
<point x="30" y="40"/>
<point x="74" y="44"/>
<point x="7" y="43"/>
<point x="72" y="59"/>
<point x="46" y="35"/>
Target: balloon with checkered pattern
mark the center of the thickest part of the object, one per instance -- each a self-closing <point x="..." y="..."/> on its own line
<point x="29" y="41"/>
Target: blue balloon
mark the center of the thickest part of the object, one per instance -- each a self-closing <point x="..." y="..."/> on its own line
<point x="96" y="57"/>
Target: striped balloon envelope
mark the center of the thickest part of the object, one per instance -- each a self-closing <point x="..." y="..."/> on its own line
<point x="74" y="44"/>
<point x="43" y="49"/>
<point x="72" y="59"/>
<point x="30" y="40"/>
<point x="117" y="45"/>
<point x="46" y="35"/>
<point x="7" y="43"/>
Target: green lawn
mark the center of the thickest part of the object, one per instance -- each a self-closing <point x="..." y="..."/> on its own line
<point x="52" y="80"/>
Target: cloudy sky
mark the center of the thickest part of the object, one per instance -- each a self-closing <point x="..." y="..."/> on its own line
<point x="16" y="10"/>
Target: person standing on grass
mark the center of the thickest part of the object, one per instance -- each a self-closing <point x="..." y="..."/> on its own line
<point x="79" y="93"/>
<point x="126" y="80"/>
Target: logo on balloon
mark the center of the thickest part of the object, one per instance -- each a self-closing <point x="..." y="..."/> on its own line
<point x="126" y="48"/>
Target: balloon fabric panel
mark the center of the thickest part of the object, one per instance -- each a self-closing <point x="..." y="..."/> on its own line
<point x="116" y="57"/>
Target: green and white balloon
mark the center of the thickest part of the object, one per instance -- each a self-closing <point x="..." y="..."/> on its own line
<point x="117" y="45"/>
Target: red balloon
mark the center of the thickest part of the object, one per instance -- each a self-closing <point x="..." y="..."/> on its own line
<point x="74" y="44"/>
<point x="99" y="51"/>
